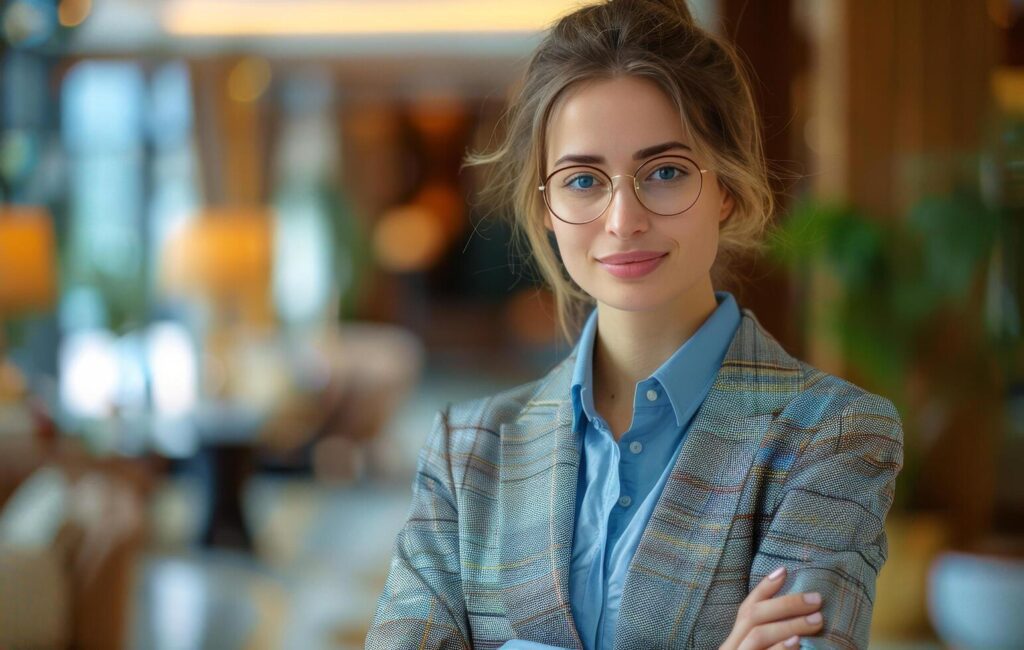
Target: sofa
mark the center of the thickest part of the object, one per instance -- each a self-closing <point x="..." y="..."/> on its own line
<point x="71" y="530"/>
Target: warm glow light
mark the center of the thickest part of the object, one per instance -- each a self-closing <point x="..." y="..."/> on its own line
<point x="1008" y="89"/>
<point x="28" y="272"/>
<point x="222" y="253"/>
<point x="445" y="203"/>
<point x="322" y="17"/>
<point x="73" y="13"/>
<point x="408" y="238"/>
<point x="248" y="79"/>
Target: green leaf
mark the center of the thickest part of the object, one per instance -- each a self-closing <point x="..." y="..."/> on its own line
<point x="955" y="234"/>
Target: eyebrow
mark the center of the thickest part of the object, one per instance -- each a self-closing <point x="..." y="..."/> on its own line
<point x="584" y="159"/>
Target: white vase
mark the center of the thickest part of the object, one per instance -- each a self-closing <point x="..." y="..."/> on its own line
<point x="976" y="601"/>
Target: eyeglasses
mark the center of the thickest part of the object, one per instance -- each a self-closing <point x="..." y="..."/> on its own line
<point x="667" y="186"/>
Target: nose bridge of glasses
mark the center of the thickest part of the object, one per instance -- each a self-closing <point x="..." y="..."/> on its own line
<point x="635" y="185"/>
<point x="629" y="208"/>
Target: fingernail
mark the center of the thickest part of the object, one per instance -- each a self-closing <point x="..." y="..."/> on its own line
<point x="791" y="641"/>
<point x="814" y="618"/>
<point x="774" y="575"/>
<point x="812" y="598"/>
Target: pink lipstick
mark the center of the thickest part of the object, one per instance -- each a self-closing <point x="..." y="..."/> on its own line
<point x="634" y="264"/>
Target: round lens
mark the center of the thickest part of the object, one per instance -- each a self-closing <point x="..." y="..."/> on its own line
<point x="668" y="185"/>
<point x="578" y="194"/>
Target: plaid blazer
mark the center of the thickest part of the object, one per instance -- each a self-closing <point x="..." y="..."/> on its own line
<point x="783" y="465"/>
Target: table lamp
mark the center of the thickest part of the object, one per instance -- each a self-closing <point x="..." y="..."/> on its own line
<point x="224" y="255"/>
<point x="223" y="259"/>
<point x="28" y="275"/>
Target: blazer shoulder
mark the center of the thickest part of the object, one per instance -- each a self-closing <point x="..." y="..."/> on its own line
<point x="801" y="394"/>
<point x="825" y="397"/>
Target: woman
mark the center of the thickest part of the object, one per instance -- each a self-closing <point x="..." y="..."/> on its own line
<point x="679" y="480"/>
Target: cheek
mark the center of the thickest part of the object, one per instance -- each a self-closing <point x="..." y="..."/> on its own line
<point x="573" y="247"/>
<point x="697" y="239"/>
<point x="696" y="230"/>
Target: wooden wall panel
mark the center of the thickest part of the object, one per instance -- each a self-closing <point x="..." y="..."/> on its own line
<point x="916" y="75"/>
<point x="764" y="33"/>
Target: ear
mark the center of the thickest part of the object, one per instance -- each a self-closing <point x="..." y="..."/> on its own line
<point x="728" y="203"/>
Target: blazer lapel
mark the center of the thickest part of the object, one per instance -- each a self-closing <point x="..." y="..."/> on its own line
<point x="683" y="543"/>
<point x="539" y="463"/>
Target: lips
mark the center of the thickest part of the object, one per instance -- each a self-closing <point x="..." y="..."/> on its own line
<point x="634" y="264"/>
<point x="631" y="257"/>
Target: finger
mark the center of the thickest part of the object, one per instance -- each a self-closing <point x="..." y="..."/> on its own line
<point x="783" y="607"/>
<point x="768" y="586"/>
<point x="763" y="590"/>
<point x="791" y="643"/>
<point x="768" y="634"/>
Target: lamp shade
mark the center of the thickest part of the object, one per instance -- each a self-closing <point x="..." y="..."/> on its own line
<point x="223" y="252"/>
<point x="28" y="270"/>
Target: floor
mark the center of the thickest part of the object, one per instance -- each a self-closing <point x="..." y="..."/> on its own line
<point x="319" y="566"/>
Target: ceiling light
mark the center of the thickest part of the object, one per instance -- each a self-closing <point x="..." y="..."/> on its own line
<point x="336" y="17"/>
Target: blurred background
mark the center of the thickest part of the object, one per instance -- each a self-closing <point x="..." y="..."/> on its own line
<point x="240" y="270"/>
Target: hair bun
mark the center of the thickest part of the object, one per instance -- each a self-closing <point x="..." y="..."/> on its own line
<point x="678" y="8"/>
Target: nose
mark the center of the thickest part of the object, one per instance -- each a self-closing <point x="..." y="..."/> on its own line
<point x="625" y="216"/>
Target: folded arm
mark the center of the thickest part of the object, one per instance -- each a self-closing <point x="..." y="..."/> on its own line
<point x="829" y="527"/>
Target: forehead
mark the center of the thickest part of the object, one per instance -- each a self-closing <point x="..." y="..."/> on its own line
<point x="612" y="118"/>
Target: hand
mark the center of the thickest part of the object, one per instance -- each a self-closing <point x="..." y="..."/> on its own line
<point x="778" y="624"/>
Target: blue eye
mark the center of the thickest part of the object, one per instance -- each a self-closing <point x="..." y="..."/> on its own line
<point x="585" y="182"/>
<point x="667" y="173"/>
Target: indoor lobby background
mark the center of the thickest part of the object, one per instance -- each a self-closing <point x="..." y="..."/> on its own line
<point x="241" y="268"/>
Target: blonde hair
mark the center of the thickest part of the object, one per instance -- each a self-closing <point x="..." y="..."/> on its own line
<point x="703" y="76"/>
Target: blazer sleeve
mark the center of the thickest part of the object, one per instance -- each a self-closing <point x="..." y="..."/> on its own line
<point x="828" y="529"/>
<point x="422" y="606"/>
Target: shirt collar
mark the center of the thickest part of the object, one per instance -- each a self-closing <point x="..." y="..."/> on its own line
<point x="582" y="397"/>
<point x="684" y="376"/>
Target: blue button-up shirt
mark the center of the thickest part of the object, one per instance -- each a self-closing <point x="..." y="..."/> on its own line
<point x="620" y="482"/>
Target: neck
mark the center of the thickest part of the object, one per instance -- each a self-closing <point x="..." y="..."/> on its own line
<point x="630" y="345"/>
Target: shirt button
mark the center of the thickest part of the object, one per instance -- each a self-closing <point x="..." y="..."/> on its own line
<point x="652" y="395"/>
<point x="624" y="501"/>
<point x="636" y="446"/>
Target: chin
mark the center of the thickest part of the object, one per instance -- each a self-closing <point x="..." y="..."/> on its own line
<point x="635" y="298"/>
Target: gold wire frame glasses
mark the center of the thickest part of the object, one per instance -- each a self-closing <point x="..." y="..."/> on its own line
<point x="579" y="194"/>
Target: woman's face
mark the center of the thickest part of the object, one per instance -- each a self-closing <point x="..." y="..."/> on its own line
<point x="614" y="121"/>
